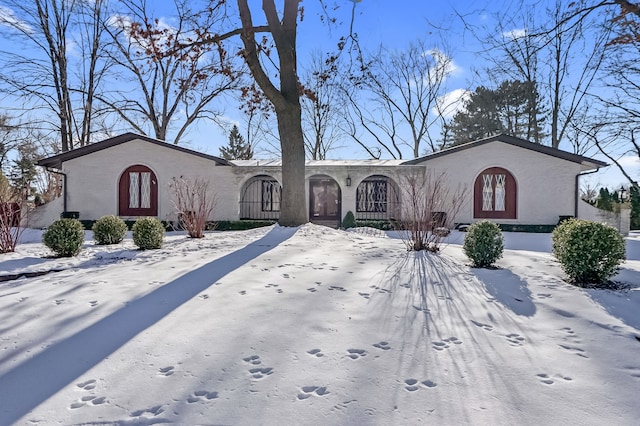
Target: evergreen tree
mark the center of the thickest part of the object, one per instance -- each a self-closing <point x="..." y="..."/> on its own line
<point x="606" y="199"/>
<point x="21" y="176"/>
<point x="634" y="199"/>
<point x="513" y="108"/>
<point x="237" y="149"/>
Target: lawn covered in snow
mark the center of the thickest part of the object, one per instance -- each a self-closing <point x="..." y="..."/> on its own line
<point x="316" y="326"/>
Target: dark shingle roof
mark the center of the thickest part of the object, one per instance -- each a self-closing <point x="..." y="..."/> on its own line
<point x="57" y="160"/>
<point x="510" y="140"/>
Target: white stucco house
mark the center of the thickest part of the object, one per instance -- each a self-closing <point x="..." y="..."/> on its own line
<point x="508" y="180"/>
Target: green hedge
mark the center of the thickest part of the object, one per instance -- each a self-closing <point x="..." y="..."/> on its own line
<point x="64" y="237"/>
<point x="483" y="243"/>
<point x="590" y="252"/>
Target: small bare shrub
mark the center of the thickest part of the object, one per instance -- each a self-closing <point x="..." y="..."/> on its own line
<point x="429" y="207"/>
<point x="14" y="213"/>
<point x="193" y="203"/>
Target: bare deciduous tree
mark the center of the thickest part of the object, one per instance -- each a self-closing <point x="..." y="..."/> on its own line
<point x="42" y="73"/>
<point x="429" y="207"/>
<point x="322" y="107"/>
<point x="176" y="75"/>
<point x="562" y="58"/>
<point x="395" y="94"/>
<point x="285" y="98"/>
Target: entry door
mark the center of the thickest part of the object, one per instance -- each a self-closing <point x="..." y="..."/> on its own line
<point x="324" y="200"/>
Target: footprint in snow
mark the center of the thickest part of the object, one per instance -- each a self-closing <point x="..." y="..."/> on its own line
<point x="412" y="385"/>
<point x="382" y="345"/>
<point x="356" y="353"/>
<point x="166" y="371"/>
<point x="154" y="411"/>
<point x="316" y="352"/>
<point x="515" y="339"/>
<point x="544" y="378"/>
<point x="253" y="360"/>
<point x="88" y="385"/>
<point x="446" y="343"/>
<point x="486" y="327"/>
<point x="202" y="395"/>
<point x="309" y="391"/>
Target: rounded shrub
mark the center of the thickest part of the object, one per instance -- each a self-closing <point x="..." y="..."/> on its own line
<point x="349" y="220"/>
<point x="109" y="230"/>
<point x="148" y="233"/>
<point x="64" y="237"/>
<point x="590" y="252"/>
<point x="483" y="243"/>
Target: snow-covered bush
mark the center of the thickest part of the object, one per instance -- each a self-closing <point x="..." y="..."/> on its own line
<point x="64" y="237"/>
<point x="109" y="230"/>
<point x="349" y="220"/>
<point x="483" y="243"/>
<point x="589" y="252"/>
<point x="148" y="233"/>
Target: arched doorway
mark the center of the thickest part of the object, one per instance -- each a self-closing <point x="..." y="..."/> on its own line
<point x="325" y="201"/>
<point x="138" y="192"/>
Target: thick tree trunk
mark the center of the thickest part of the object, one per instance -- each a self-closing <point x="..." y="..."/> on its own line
<point x="285" y="99"/>
<point x="293" y="211"/>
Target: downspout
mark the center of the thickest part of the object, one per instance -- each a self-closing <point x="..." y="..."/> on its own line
<point x="64" y="186"/>
<point x="577" y="194"/>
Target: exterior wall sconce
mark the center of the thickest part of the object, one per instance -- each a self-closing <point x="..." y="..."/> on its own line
<point x="348" y="180"/>
<point x="622" y="193"/>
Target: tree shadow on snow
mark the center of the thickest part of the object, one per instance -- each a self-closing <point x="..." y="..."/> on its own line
<point x="32" y="382"/>
<point x="507" y="289"/>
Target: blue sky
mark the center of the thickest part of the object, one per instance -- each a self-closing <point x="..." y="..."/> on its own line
<point x="394" y="24"/>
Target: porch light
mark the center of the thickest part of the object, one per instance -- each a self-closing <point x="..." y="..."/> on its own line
<point x="348" y="180"/>
<point x="622" y="193"/>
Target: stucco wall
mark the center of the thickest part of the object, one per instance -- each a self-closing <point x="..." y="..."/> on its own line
<point x="46" y="214"/>
<point x="620" y="220"/>
<point x="546" y="185"/>
<point x="92" y="180"/>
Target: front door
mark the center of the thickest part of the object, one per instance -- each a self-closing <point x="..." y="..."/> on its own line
<point x="324" y="201"/>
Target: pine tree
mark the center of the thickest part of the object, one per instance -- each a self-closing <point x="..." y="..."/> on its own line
<point x="605" y="200"/>
<point x="237" y="149"/>
<point x="513" y="108"/>
<point x="634" y="199"/>
<point x="22" y="175"/>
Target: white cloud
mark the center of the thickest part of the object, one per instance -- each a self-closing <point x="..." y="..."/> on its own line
<point x="515" y="34"/>
<point x="629" y="161"/>
<point x="9" y="19"/>
<point x="452" y="102"/>
<point x="444" y="63"/>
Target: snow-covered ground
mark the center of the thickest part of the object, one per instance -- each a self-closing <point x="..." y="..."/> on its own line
<point x="315" y="326"/>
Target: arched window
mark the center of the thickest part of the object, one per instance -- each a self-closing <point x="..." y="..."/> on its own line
<point x="495" y="195"/>
<point x="138" y="192"/>
<point x="260" y="198"/>
<point x="377" y="198"/>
